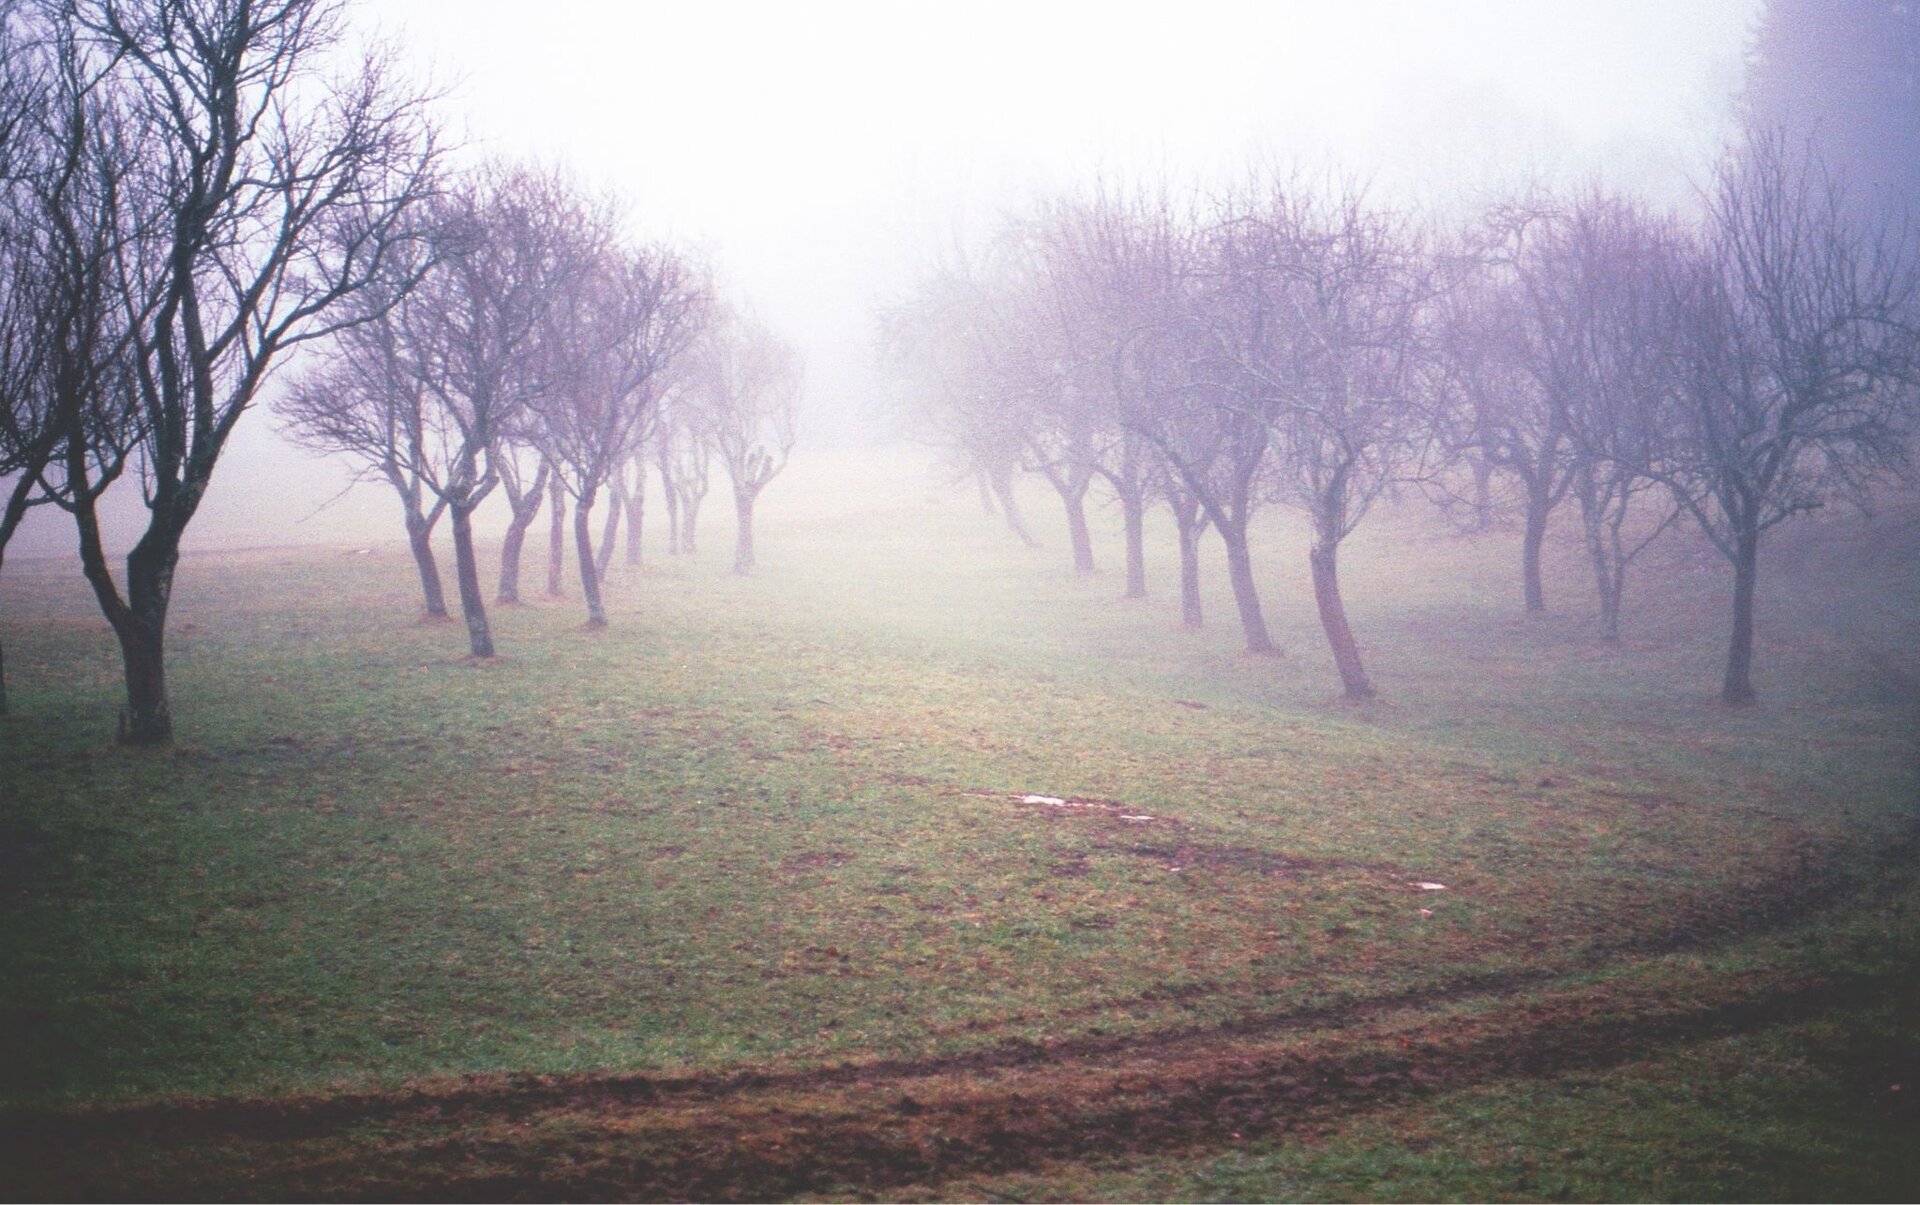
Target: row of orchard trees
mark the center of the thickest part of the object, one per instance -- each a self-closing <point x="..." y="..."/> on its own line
<point x="193" y="190"/>
<point x="537" y="351"/>
<point x="1290" y="342"/>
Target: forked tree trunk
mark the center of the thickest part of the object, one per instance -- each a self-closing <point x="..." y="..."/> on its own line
<point x="1133" y="515"/>
<point x="556" y="535"/>
<point x="466" y="569"/>
<point x="420" y="542"/>
<point x="1002" y="479"/>
<point x="589" y="572"/>
<point x="1246" y="596"/>
<point x="609" y="532"/>
<point x="743" y="500"/>
<point x="1737" y="688"/>
<point x="1190" y="522"/>
<point x="1609" y="573"/>
<point x="1072" y="488"/>
<point x="525" y="509"/>
<point x="1324" y="558"/>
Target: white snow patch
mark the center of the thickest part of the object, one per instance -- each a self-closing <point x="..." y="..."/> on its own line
<point x="1426" y="886"/>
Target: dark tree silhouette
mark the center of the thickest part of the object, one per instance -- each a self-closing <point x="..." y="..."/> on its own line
<point x="263" y="198"/>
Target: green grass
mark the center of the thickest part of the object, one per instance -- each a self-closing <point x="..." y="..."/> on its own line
<point x="771" y="822"/>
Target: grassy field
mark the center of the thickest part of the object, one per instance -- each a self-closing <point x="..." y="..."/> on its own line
<point x="917" y="866"/>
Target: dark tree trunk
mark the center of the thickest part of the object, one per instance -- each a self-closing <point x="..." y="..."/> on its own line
<point x="1738" y="686"/>
<point x="420" y="541"/>
<point x="1003" y="490"/>
<point x="743" y="500"/>
<point x="1246" y="596"/>
<point x="589" y="572"/>
<point x="525" y="508"/>
<point x="466" y="569"/>
<point x="556" y="535"/>
<point x="1609" y="572"/>
<point x="636" y="504"/>
<point x="1133" y="514"/>
<point x="1324" y="558"/>
<point x="1072" y="488"/>
<point x="139" y="621"/>
<point x="1538" y="508"/>
<point x="1191" y="523"/>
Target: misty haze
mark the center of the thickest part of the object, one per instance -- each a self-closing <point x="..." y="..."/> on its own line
<point x="1068" y="602"/>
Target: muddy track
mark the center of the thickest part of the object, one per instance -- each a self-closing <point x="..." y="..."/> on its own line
<point x="902" y="1127"/>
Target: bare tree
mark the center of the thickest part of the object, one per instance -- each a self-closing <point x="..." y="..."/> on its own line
<point x="747" y="380"/>
<point x="1796" y="358"/>
<point x="264" y="198"/>
<point x="363" y="400"/>
<point x="1338" y="373"/>
<point x="1604" y="311"/>
<point x="619" y="331"/>
<point x="684" y="451"/>
<point x="474" y="329"/>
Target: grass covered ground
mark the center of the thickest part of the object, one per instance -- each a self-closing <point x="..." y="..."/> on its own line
<point x="744" y="896"/>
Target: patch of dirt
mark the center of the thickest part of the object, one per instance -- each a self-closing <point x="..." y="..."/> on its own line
<point x="906" y="1127"/>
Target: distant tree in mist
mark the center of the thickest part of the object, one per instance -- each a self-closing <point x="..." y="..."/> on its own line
<point x="948" y="343"/>
<point x="745" y="382"/>
<point x="1341" y="376"/>
<point x="473" y="329"/>
<point x="612" y="341"/>
<point x="1795" y="356"/>
<point x="363" y="400"/>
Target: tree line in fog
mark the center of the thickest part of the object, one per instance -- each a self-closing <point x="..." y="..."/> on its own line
<point x="192" y="192"/>
<point x="1292" y="342"/>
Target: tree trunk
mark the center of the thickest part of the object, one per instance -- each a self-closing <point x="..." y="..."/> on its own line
<point x="673" y="513"/>
<point x="636" y="503"/>
<point x="1003" y="490"/>
<point x="1133" y="513"/>
<point x="1482" y="495"/>
<point x="743" y="500"/>
<point x="147" y="718"/>
<point x="1246" y="596"/>
<point x="609" y="532"/>
<point x="420" y="541"/>
<point x="689" y="520"/>
<point x="556" y="535"/>
<point x="1607" y="570"/>
<point x="1536" y="533"/>
<point x="1072" y="488"/>
<point x="986" y="493"/>
<point x="589" y="572"/>
<point x="1190" y="521"/>
<point x="1737" y="689"/>
<point x="467" y="574"/>
<point x="525" y="509"/>
<point x="1324" y="558"/>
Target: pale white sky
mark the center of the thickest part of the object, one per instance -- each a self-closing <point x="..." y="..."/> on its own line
<point x="818" y="149"/>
